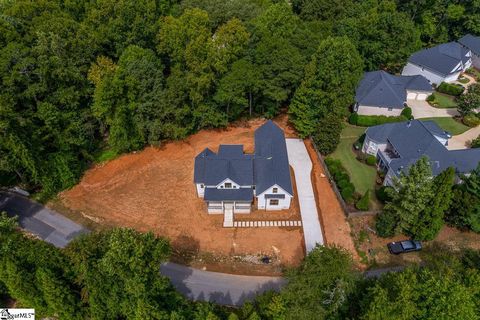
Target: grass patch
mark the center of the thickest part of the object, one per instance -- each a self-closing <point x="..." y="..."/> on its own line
<point x="449" y="124"/>
<point x="362" y="176"/>
<point x="441" y="100"/>
<point x="105" y="155"/>
<point x="463" y="80"/>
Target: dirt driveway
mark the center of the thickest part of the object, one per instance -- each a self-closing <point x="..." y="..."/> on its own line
<point x="422" y="109"/>
<point x="153" y="190"/>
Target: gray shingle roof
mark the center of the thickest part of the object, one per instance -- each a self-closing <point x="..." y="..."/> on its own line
<point x="379" y="88"/>
<point x="271" y="159"/>
<point x="471" y="42"/>
<point x="242" y="194"/>
<point x="415" y="139"/>
<point x="266" y="167"/>
<point x="441" y="59"/>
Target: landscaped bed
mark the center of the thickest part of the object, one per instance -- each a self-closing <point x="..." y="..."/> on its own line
<point x="449" y="124"/>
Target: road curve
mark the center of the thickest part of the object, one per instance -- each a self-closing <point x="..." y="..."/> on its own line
<point x="221" y="288"/>
<point x="302" y="166"/>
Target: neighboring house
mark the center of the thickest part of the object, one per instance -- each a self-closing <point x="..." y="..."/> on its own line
<point x="473" y="44"/>
<point x="231" y="179"/>
<point x="399" y="145"/>
<point x="380" y="93"/>
<point x="442" y="63"/>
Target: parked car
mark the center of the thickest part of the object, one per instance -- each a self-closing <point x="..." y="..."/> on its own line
<point x="404" y="246"/>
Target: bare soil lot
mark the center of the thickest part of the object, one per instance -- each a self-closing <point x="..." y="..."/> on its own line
<point x="153" y="190"/>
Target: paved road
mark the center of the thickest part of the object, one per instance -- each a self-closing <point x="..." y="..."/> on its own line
<point x="37" y="219"/>
<point x="302" y="167"/>
<point x="221" y="288"/>
<point x="421" y="109"/>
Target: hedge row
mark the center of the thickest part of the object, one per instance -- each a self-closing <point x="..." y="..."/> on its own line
<point x="451" y="89"/>
<point x="369" y="121"/>
<point x="342" y="179"/>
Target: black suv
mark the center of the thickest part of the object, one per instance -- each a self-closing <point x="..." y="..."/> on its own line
<point x="404" y="246"/>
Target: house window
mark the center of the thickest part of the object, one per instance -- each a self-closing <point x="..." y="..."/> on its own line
<point x="275" y="190"/>
<point x="274" y="202"/>
<point x="228" y="185"/>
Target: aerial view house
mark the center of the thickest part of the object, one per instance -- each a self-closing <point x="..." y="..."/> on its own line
<point x="473" y="44"/>
<point x="399" y="145"/>
<point x="380" y="93"/>
<point x="442" y="63"/>
<point x="230" y="181"/>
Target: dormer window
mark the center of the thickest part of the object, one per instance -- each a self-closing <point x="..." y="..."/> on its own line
<point x="228" y="185"/>
<point x="275" y="190"/>
<point x="202" y="186"/>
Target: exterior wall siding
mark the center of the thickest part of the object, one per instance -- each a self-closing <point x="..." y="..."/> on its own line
<point x="476" y="61"/>
<point x="264" y="204"/>
<point x="200" y="190"/>
<point x="372" y="111"/>
<point x="412" y="70"/>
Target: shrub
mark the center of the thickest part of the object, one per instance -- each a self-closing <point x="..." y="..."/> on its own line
<point x="407" y="113"/>
<point x="383" y="194"/>
<point x="347" y="194"/>
<point x="342" y="179"/>
<point x="451" y="89"/>
<point x="363" y="203"/>
<point x="385" y="225"/>
<point x="368" y="121"/>
<point x="431" y="98"/>
<point x="353" y="118"/>
<point x="371" y="160"/>
<point x="476" y="142"/>
<point x="471" y="120"/>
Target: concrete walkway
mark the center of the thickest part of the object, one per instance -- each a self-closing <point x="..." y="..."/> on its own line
<point x="462" y="141"/>
<point x="421" y="109"/>
<point x="302" y="167"/>
<point x="221" y="288"/>
<point x="39" y="220"/>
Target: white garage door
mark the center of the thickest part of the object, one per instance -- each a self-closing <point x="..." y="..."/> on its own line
<point x="422" y="96"/>
<point x="411" y="96"/>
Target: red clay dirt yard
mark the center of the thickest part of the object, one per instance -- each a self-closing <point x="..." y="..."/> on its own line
<point x="153" y="190"/>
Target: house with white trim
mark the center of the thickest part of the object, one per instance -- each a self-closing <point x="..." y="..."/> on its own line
<point x="473" y="44"/>
<point x="381" y="93"/>
<point x="399" y="145"/>
<point x="442" y="63"/>
<point x="231" y="180"/>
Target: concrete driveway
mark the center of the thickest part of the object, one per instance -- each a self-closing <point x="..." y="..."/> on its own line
<point x="421" y="109"/>
<point x="462" y="141"/>
<point x="39" y="220"/>
<point x="221" y="288"/>
<point x="302" y="167"/>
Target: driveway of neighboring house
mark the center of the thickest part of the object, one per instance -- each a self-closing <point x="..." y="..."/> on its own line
<point x="462" y="141"/>
<point x="421" y="109"/>
<point x="39" y="220"/>
<point x="302" y="167"/>
<point x="221" y="288"/>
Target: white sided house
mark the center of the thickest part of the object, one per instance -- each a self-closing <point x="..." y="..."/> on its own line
<point x="231" y="180"/>
<point x="380" y="93"/>
<point x="442" y="63"/>
<point x="473" y="44"/>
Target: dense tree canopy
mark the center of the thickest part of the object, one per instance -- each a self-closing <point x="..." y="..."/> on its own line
<point x="80" y="77"/>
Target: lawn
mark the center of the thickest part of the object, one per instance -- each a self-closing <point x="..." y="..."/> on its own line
<point x="449" y="124"/>
<point x="362" y="175"/>
<point x="443" y="101"/>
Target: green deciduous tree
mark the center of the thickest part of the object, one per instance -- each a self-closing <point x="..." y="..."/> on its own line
<point x="470" y="100"/>
<point x="328" y="86"/>
<point x="412" y="196"/>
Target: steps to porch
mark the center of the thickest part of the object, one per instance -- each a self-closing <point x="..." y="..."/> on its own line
<point x="257" y="224"/>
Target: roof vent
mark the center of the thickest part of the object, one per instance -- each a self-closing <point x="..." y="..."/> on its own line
<point x="409" y="123"/>
<point x="400" y="169"/>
